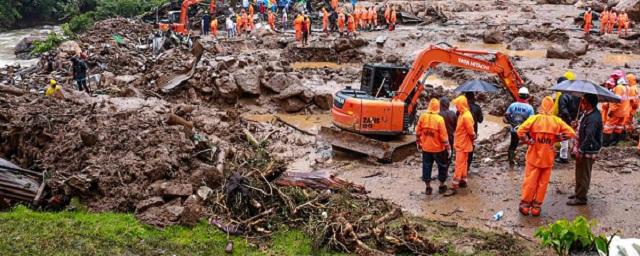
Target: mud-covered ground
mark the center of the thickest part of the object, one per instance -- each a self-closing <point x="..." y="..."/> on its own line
<point x="281" y="93"/>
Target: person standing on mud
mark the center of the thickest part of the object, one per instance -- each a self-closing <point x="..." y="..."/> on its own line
<point x="589" y="143"/>
<point x="230" y="27"/>
<point x="540" y="132"/>
<point x="206" y="24"/>
<point x="433" y="141"/>
<point x="306" y="28"/>
<point x="463" y="145"/>
<point x="351" y="25"/>
<point x="341" y="21"/>
<point x="449" y="119"/>
<point x="588" y="17"/>
<point x="79" y="69"/>
<point x="604" y="21"/>
<point x="284" y="20"/>
<point x="271" y="19"/>
<point x="516" y="114"/>
<point x="478" y="118"/>
<point x="333" y="21"/>
<point x="393" y="18"/>
<point x="214" y="27"/>
<point x="568" y="111"/>
<point x="325" y="21"/>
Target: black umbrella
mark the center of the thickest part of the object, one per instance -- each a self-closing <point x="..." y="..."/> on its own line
<point x="581" y="87"/>
<point x="476" y="86"/>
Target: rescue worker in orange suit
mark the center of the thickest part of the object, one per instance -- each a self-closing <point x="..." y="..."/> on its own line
<point x="540" y="132"/>
<point x="373" y="17"/>
<point x="271" y="19"/>
<point x="250" y="23"/>
<point x="341" y="21"/>
<point x="463" y="144"/>
<point x="393" y="18"/>
<point x="613" y="19"/>
<point x="604" y="21"/>
<point x="334" y="5"/>
<point x="616" y="115"/>
<point x="387" y="14"/>
<point x="245" y="22"/>
<point x="634" y="101"/>
<point x="623" y="23"/>
<point x="610" y="84"/>
<point x="351" y="25"/>
<point x="239" y="24"/>
<point x="588" y="18"/>
<point x="251" y="10"/>
<point x="325" y="20"/>
<point x="214" y="27"/>
<point x="297" y="26"/>
<point x="433" y="142"/>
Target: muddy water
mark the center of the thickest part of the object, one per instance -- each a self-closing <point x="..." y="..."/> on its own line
<point x="620" y="59"/>
<point x="437" y="81"/>
<point x="320" y="65"/>
<point x="491" y="125"/>
<point x="8" y="41"/>
<point x="533" y="54"/>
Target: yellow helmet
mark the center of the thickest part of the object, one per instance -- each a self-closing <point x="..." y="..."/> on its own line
<point x="52" y="82"/>
<point x="569" y="75"/>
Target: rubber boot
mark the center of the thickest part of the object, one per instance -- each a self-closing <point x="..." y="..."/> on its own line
<point x="524" y="208"/>
<point x="536" y="209"/>
<point x="512" y="157"/>
<point x="428" y="190"/>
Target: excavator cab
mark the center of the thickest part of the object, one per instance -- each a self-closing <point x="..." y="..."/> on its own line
<point x="382" y="79"/>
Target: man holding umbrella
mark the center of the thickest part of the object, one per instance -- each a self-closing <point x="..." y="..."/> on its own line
<point x="588" y="146"/>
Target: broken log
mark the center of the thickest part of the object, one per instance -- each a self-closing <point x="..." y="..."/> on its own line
<point x="317" y="180"/>
<point x="12" y="90"/>
<point x="174" y="119"/>
<point x="19" y="184"/>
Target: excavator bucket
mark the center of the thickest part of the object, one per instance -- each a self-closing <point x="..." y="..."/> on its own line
<point x="384" y="149"/>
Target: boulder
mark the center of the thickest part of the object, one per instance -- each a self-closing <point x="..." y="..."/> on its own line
<point x="126" y="80"/>
<point x="281" y="81"/>
<point x="380" y="40"/>
<point x="557" y="51"/>
<point x="193" y="211"/>
<point x="204" y="192"/>
<point x="70" y="47"/>
<point x="323" y="101"/>
<point x="148" y="203"/>
<point x="519" y="44"/>
<point x="249" y="81"/>
<point x="577" y="46"/>
<point x="176" y="189"/>
<point x="227" y="87"/>
<point x="26" y="44"/>
<point x="526" y="8"/>
<point x="493" y="36"/>
<point x="292" y="104"/>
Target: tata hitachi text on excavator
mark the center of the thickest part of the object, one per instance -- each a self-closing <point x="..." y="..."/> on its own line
<point x="377" y="120"/>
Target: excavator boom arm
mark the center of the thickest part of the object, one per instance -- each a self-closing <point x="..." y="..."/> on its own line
<point x="434" y="56"/>
<point x="184" y="10"/>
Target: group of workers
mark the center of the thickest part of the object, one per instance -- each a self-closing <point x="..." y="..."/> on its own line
<point x="608" y="19"/>
<point x="79" y="70"/>
<point x="441" y="132"/>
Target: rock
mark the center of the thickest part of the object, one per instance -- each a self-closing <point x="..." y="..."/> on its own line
<point x="527" y="8"/>
<point x="148" y="203"/>
<point x="282" y="81"/>
<point x="292" y="104"/>
<point x="176" y="189"/>
<point x="557" y="51"/>
<point x="26" y="44"/>
<point x="415" y="35"/>
<point x="78" y="182"/>
<point x="344" y="44"/>
<point x="227" y="60"/>
<point x="380" y="40"/>
<point x="108" y="78"/>
<point x="519" y="44"/>
<point x="126" y="80"/>
<point x="577" y="46"/>
<point x="70" y="47"/>
<point x="174" y="212"/>
<point x="493" y="36"/>
<point x="323" y="101"/>
<point x="88" y="138"/>
<point x="227" y="87"/>
<point x="193" y="211"/>
<point x="249" y="81"/>
<point x="204" y="192"/>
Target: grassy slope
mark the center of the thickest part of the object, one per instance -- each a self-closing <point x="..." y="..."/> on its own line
<point x="26" y="232"/>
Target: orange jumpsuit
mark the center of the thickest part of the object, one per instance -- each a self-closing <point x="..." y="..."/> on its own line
<point x="250" y="23"/>
<point x="387" y="14"/>
<point x="357" y="16"/>
<point x="463" y="140"/>
<point x="373" y="19"/>
<point x="623" y="22"/>
<point x="588" y="17"/>
<point x="618" y="112"/>
<point x="604" y="21"/>
<point x="251" y="10"/>
<point x="540" y="131"/>
<point x="334" y="5"/>
<point x="325" y="20"/>
<point x="297" y="25"/>
<point x="393" y="19"/>
<point x="351" y="24"/>
<point x="634" y="101"/>
<point x="613" y="19"/>
<point x="431" y="132"/>
<point x="272" y="20"/>
<point x="239" y="24"/>
<point x="341" y="22"/>
<point x="214" y="27"/>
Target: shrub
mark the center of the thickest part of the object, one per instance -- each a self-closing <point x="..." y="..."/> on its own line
<point x="125" y="8"/>
<point x="565" y="236"/>
<point x="52" y="41"/>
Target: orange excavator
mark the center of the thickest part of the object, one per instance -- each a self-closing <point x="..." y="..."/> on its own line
<point x="178" y="20"/>
<point x="377" y="119"/>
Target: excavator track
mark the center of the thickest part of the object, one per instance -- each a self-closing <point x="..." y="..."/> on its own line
<point x="389" y="149"/>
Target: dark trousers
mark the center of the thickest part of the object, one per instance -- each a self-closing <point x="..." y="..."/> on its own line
<point x="442" y="161"/>
<point x="470" y="159"/>
<point x="583" y="177"/>
<point x="82" y="84"/>
<point x="514" y="141"/>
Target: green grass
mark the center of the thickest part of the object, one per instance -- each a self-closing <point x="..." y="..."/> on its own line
<point x="27" y="232"/>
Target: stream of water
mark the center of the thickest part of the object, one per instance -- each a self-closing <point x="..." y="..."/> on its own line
<point x="9" y="39"/>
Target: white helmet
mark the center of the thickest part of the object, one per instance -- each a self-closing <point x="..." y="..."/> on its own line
<point x="622" y="81"/>
<point x="523" y="90"/>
